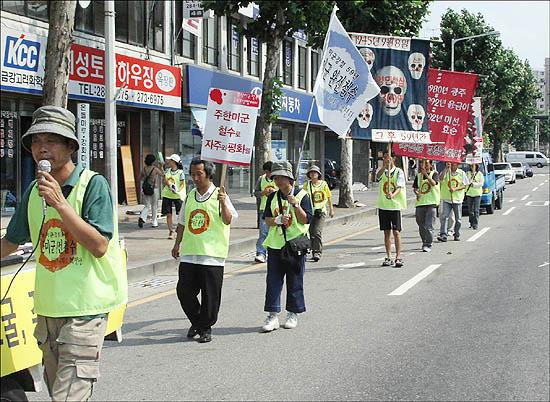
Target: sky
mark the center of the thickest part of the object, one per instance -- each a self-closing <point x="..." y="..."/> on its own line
<point x="524" y="26"/>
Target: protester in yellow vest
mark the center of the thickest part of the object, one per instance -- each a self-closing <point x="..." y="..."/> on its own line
<point x="202" y="243"/>
<point x="391" y="201"/>
<point x="265" y="186"/>
<point x="68" y="215"/>
<point x="290" y="208"/>
<point x="320" y="197"/>
<point x="453" y="187"/>
<point x="473" y="194"/>
<point x="174" y="190"/>
<point x="426" y="188"/>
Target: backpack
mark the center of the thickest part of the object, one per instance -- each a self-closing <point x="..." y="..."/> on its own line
<point x="147" y="187"/>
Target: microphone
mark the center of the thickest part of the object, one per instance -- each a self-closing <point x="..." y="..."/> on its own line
<point x="44" y="166"/>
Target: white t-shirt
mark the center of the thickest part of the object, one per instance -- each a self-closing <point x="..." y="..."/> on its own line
<point x="204" y="259"/>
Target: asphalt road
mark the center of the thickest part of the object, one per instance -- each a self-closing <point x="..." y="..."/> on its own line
<point x="472" y="325"/>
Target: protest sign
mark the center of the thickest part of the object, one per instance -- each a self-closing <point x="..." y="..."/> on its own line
<point x="474" y="139"/>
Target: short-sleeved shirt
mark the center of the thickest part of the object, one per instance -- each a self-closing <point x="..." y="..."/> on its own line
<point x="305" y="204"/>
<point x="97" y="208"/>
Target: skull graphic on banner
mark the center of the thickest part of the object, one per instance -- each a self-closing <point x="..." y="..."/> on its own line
<point x="417" y="62"/>
<point x="393" y="87"/>
<point x="416" y="115"/>
<point x="365" y="116"/>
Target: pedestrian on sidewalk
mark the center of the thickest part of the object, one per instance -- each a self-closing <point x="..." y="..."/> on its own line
<point x="392" y="200"/>
<point x="149" y="190"/>
<point x="473" y="194"/>
<point x="264" y="186"/>
<point x="174" y="190"/>
<point x="426" y="188"/>
<point x="453" y="185"/>
<point x="68" y="215"/>
<point x="288" y="208"/>
<point x="320" y="196"/>
<point x="202" y="244"/>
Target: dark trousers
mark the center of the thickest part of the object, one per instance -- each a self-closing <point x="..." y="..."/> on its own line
<point x="206" y="279"/>
<point x="473" y="210"/>
<point x="276" y="272"/>
<point x="316" y="232"/>
<point x="425" y="219"/>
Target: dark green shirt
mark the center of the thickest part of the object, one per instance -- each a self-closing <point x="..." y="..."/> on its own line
<point x="97" y="208"/>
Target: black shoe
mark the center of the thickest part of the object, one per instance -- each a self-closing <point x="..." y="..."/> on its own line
<point x="316" y="257"/>
<point x="442" y="238"/>
<point x="205" y="336"/>
<point x="457" y="238"/>
<point x="192" y="332"/>
<point x="140" y="223"/>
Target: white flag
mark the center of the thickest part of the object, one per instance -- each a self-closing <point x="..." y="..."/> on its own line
<point x="192" y="25"/>
<point x="344" y="84"/>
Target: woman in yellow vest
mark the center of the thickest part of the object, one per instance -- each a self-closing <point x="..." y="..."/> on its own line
<point x="174" y="190"/>
<point x="473" y="194"/>
<point x="426" y="188"/>
<point x="320" y="197"/>
<point x="202" y="243"/>
<point x="294" y="217"/>
<point x="265" y="186"/>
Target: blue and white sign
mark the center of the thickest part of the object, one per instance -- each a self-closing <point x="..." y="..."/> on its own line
<point x="278" y="149"/>
<point x="344" y="83"/>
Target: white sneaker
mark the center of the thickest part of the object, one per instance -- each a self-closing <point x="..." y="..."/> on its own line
<point x="426" y="249"/>
<point x="291" y="320"/>
<point x="155" y="225"/>
<point x="271" y="323"/>
<point x="260" y="258"/>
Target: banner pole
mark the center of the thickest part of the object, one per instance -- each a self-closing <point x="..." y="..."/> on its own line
<point x="224" y="173"/>
<point x="304" y="141"/>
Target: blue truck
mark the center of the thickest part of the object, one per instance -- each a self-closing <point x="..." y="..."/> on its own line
<point x="493" y="186"/>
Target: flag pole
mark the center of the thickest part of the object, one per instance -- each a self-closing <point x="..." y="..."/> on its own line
<point x="304" y="140"/>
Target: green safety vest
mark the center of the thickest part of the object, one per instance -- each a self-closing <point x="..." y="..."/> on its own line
<point x="70" y="281"/>
<point x="204" y="233"/>
<point x="265" y="183"/>
<point x="454" y="181"/>
<point x="472" y="191"/>
<point x="173" y="177"/>
<point x="429" y="195"/>
<point x="275" y="238"/>
<point x="389" y="185"/>
<point x="318" y="196"/>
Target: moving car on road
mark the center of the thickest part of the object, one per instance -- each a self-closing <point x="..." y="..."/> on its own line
<point x="520" y="169"/>
<point x="506" y="169"/>
<point x="531" y="158"/>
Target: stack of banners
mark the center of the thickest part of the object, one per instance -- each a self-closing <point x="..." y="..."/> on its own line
<point x="474" y="139"/>
<point x="450" y="96"/>
<point x="230" y="126"/>
<point x="399" y="67"/>
<point x="344" y="84"/>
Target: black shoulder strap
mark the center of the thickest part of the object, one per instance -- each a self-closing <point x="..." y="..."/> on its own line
<point x="281" y="211"/>
<point x="311" y="193"/>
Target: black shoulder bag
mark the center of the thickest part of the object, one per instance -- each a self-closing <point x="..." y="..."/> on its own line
<point x="294" y="249"/>
<point x="147" y="187"/>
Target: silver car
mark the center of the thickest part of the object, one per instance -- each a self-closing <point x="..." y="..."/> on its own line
<point x="506" y="170"/>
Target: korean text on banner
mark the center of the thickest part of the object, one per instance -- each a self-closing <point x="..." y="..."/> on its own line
<point x="230" y="125"/>
<point x="474" y="139"/>
<point x="344" y="83"/>
<point x="450" y="95"/>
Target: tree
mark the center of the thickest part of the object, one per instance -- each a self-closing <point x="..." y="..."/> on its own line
<point x="506" y="84"/>
<point x="60" y="34"/>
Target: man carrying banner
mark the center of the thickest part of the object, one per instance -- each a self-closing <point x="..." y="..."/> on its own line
<point x="426" y="188"/>
<point x="391" y="201"/>
<point x="453" y="184"/>
<point x="264" y="187"/>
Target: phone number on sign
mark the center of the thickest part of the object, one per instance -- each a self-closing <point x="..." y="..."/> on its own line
<point x="124" y="95"/>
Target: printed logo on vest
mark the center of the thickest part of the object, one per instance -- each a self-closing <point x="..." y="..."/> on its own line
<point x="452" y="184"/>
<point x="276" y="214"/>
<point x="57" y="246"/>
<point x="270" y="186"/>
<point x="425" y="187"/>
<point x="198" y="221"/>
<point x="389" y="187"/>
<point x="318" y="196"/>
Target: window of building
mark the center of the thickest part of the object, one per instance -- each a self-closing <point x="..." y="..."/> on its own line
<point x="185" y="41"/>
<point x="140" y="22"/>
<point x="211" y="40"/>
<point x="136" y="22"/>
<point x="315" y="60"/>
<point x="302" y="67"/>
<point x="234" y="44"/>
<point x="155" y="28"/>
<point x="288" y="63"/>
<point x="90" y="19"/>
<point x="121" y="20"/>
<point x="254" y="56"/>
<point x="30" y="8"/>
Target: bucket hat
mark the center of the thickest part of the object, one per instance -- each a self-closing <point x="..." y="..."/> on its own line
<point x="174" y="157"/>
<point x="53" y="120"/>
<point x="314" y="168"/>
<point x="283" y="168"/>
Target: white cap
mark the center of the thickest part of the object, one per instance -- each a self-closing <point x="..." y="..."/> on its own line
<point x="175" y="157"/>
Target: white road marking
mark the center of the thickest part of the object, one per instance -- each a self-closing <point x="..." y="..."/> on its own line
<point x="509" y="211"/>
<point x="512" y="200"/>
<point x="543" y="265"/>
<point x="525" y="197"/>
<point x="377" y="248"/>
<point x="412" y="253"/>
<point x="537" y="203"/>
<point x="351" y="265"/>
<point x="378" y="259"/>
<point x="535" y="189"/>
<point x="414" y="280"/>
<point x="478" y="234"/>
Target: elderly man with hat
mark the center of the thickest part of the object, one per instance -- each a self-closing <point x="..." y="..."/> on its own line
<point x="321" y="196"/>
<point x="173" y="192"/>
<point x="68" y="215"/>
<point x="287" y="213"/>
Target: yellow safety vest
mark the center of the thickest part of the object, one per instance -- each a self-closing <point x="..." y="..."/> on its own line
<point x="265" y="183"/>
<point x="454" y="181"/>
<point x="318" y="193"/>
<point x="429" y="195"/>
<point x="174" y="177"/>
<point x="389" y="185"/>
<point x="472" y="191"/>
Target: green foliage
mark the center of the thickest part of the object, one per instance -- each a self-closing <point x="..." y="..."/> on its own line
<point x="273" y="98"/>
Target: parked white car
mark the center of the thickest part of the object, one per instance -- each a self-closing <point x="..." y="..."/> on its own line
<point x="506" y="170"/>
<point x="519" y="168"/>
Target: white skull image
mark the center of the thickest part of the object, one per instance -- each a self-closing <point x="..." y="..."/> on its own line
<point x="368" y="55"/>
<point x="365" y="116"/>
<point x="416" y="115"/>
<point x="417" y="61"/>
<point x="393" y="87"/>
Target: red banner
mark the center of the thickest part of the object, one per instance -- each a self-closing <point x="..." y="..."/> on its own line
<point x="450" y="96"/>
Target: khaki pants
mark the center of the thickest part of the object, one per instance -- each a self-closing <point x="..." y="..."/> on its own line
<point x="71" y="350"/>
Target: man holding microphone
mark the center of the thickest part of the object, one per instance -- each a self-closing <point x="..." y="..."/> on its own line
<point x="79" y="274"/>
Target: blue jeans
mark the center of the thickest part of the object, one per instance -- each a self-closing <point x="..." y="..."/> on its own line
<point x="276" y="272"/>
<point x="447" y="208"/>
<point x="473" y="210"/>
<point x="264" y="228"/>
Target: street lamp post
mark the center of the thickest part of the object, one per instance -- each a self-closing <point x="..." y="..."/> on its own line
<point x="453" y="41"/>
